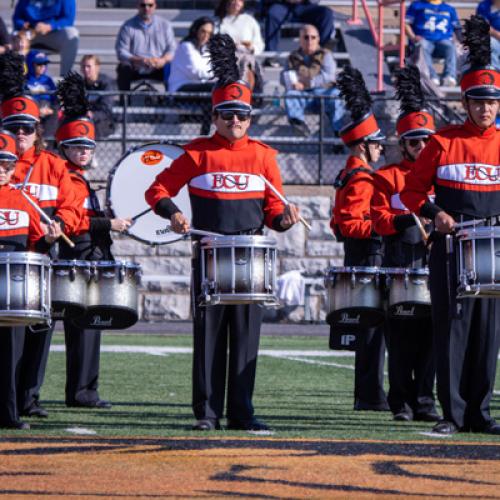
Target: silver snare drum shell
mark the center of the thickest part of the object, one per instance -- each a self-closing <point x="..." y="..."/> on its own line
<point x="69" y="283"/>
<point x="355" y="296"/>
<point x="478" y="262"/>
<point x="238" y="270"/>
<point x="409" y="295"/>
<point x="24" y="288"/>
<point x="112" y="300"/>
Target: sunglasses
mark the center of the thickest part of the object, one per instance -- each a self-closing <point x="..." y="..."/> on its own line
<point x="28" y="129"/>
<point x="147" y="5"/>
<point x="415" y="142"/>
<point x="229" y="115"/>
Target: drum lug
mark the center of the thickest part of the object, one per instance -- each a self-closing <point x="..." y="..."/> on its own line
<point x="353" y="280"/>
<point x="407" y="280"/>
<point x="72" y="274"/>
<point x="121" y="274"/>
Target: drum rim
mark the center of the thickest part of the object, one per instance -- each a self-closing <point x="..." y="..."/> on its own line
<point x="128" y="264"/>
<point x="71" y="263"/>
<point x="359" y="269"/>
<point x="24" y="258"/>
<point x="419" y="271"/>
<point x="238" y="240"/>
<point x="478" y="232"/>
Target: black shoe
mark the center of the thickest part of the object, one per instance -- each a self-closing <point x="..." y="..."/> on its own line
<point x="402" y="416"/>
<point x="364" y="406"/>
<point x="446" y="428"/>
<point x="490" y="428"/>
<point x="247" y="425"/>
<point x="99" y="404"/>
<point x="272" y="62"/>
<point x="21" y="426"/>
<point x="206" y="424"/>
<point x="35" y="410"/>
<point x="427" y="416"/>
<point x="300" y="127"/>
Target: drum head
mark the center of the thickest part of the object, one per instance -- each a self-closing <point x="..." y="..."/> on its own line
<point x="128" y="182"/>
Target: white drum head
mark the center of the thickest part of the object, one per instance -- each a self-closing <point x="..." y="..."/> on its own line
<point x="128" y="182"/>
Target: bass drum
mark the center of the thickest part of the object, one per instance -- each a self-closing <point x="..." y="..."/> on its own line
<point x="129" y="180"/>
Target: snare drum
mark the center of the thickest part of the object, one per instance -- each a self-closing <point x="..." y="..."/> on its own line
<point x="238" y="270"/>
<point x="478" y="262"/>
<point x="355" y="296"/>
<point x="408" y="291"/>
<point x="69" y="283"/>
<point x="24" y="288"/>
<point x="112" y="299"/>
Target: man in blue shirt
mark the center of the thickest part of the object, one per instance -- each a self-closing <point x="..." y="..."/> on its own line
<point x="490" y="10"/>
<point x="431" y="24"/>
<point x="50" y="23"/>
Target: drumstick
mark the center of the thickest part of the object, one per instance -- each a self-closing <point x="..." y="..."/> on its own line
<point x="284" y="200"/>
<point x="140" y="214"/>
<point x="424" y="234"/>
<point x="46" y="218"/>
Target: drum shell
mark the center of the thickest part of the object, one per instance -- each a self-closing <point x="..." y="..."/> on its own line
<point x="24" y="288"/>
<point x="355" y="296"/>
<point x="408" y="293"/>
<point x="238" y="270"/>
<point x="69" y="283"/>
<point x="112" y="297"/>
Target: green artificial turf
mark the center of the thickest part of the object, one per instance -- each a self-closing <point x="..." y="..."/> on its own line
<point x="151" y="395"/>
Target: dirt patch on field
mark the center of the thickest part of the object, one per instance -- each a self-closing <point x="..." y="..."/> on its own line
<point x="245" y="468"/>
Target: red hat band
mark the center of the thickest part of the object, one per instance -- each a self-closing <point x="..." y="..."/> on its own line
<point x="487" y="78"/>
<point x="75" y="131"/>
<point x="7" y="146"/>
<point x="235" y="93"/>
<point x="419" y="121"/>
<point x="358" y="131"/>
<point x="22" y="108"/>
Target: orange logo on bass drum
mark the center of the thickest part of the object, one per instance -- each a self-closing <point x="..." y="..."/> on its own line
<point x="152" y="157"/>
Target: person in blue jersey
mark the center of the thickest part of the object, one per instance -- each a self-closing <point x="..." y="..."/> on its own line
<point x="431" y="24"/>
<point x="490" y="10"/>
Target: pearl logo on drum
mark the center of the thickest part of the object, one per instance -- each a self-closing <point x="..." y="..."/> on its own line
<point x="151" y="157"/>
<point x="401" y="311"/>
<point x="97" y="321"/>
<point x="345" y="319"/>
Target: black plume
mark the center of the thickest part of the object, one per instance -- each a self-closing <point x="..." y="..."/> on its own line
<point x="477" y="40"/>
<point x="72" y="95"/>
<point x="353" y="90"/>
<point x="408" y="89"/>
<point x="223" y="59"/>
<point x="12" y="75"/>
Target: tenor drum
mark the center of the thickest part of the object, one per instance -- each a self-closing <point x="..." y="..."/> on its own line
<point x="24" y="288"/>
<point x="112" y="300"/>
<point x="130" y="178"/>
<point x="478" y="262"/>
<point x="408" y="291"/>
<point x="238" y="270"/>
<point x="69" y="283"/>
<point x="355" y="296"/>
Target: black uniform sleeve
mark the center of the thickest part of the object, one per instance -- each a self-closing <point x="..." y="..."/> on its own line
<point x="430" y="210"/>
<point x="99" y="225"/>
<point x="402" y="222"/>
<point x="166" y="208"/>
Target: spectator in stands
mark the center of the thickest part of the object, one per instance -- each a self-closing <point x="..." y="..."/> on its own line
<point x="191" y="70"/>
<point x="144" y="46"/>
<point x="490" y="10"/>
<point x="310" y="72"/>
<point x="51" y="25"/>
<point x="101" y="106"/>
<point x="4" y="37"/>
<point x="302" y="11"/>
<point x="431" y="24"/>
<point x="42" y="87"/>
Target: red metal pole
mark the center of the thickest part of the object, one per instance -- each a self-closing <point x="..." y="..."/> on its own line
<point x="380" y="48"/>
<point x="402" y="34"/>
<point x="355" y="16"/>
<point x="370" y="21"/>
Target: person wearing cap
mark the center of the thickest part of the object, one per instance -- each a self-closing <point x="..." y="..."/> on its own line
<point x="461" y="162"/>
<point x="20" y="231"/>
<point x="229" y="197"/>
<point x="352" y="224"/>
<point x="409" y="337"/>
<point x="43" y="175"/>
<point x="75" y="138"/>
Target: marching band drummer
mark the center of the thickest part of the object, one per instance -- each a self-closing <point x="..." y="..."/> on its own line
<point x="409" y="340"/>
<point x="75" y="138"/>
<point x="227" y="196"/>
<point x="20" y="230"/>
<point x="44" y="176"/>
<point x="462" y="163"/>
<point x="351" y="224"/>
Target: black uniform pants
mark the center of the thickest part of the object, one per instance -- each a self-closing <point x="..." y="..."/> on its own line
<point x="466" y="347"/>
<point x="82" y="363"/>
<point x="411" y="366"/>
<point x="11" y="349"/>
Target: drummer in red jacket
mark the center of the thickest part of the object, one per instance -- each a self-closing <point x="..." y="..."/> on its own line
<point x="44" y="176"/>
<point x="409" y="338"/>
<point x="75" y="138"/>
<point x="20" y="231"/>
<point x="462" y="163"/>
<point x="227" y="196"/>
<point x="352" y="224"/>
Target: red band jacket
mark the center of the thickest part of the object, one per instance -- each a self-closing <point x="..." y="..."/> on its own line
<point x="462" y="162"/>
<point x="49" y="185"/>
<point x="227" y="195"/>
